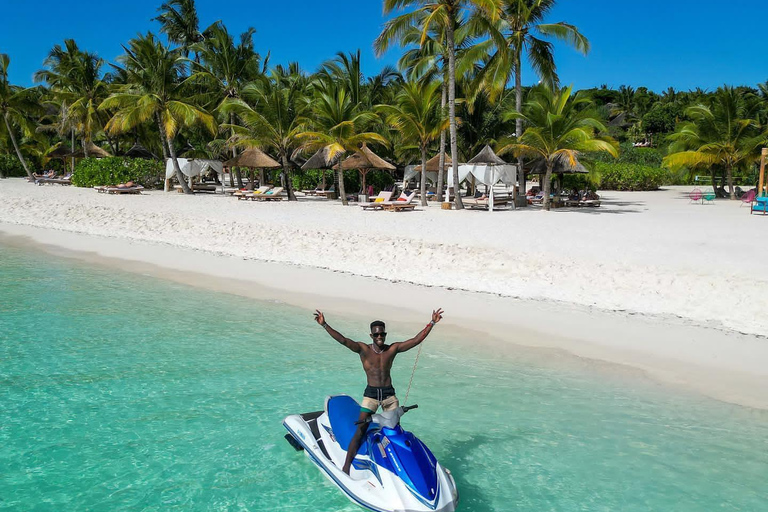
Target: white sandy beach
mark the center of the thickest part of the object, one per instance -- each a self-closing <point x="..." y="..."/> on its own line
<point x="646" y="280"/>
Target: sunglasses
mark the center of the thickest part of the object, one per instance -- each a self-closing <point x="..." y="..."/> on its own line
<point x="379" y="335"/>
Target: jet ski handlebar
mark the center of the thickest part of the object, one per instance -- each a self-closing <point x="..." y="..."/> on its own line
<point x="399" y="412"/>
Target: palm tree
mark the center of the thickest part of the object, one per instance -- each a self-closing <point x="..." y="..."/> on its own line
<point x="559" y="127"/>
<point x="273" y="113"/>
<point x="155" y="92"/>
<point x="226" y="68"/>
<point x="338" y="125"/>
<point x="180" y="24"/>
<point x="725" y="136"/>
<point x="75" y="80"/>
<point x="520" y="30"/>
<point x="426" y="58"/>
<point x="445" y="16"/>
<point x="16" y="105"/>
<point x="417" y="115"/>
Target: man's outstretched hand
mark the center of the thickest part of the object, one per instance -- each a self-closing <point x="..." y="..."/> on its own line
<point x="437" y="315"/>
<point x="319" y="318"/>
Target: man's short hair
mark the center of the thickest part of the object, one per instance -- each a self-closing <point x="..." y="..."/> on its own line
<point x="377" y="323"/>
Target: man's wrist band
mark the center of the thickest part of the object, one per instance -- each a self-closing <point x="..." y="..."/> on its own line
<point x="432" y="323"/>
<point x="324" y="324"/>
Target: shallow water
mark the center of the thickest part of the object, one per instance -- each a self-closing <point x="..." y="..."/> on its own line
<point x="123" y="392"/>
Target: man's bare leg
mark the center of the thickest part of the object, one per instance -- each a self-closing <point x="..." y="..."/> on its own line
<point x="354" y="444"/>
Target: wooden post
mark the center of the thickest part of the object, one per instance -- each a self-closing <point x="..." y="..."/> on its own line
<point x="760" y="189"/>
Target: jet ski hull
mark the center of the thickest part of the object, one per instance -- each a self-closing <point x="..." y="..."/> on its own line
<point x="374" y="483"/>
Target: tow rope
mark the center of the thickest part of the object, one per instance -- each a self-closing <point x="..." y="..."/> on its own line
<point x="416" y="362"/>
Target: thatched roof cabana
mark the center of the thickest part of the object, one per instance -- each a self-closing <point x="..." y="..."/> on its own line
<point x="94" y="151"/>
<point x="365" y="159"/>
<point x="433" y="164"/>
<point x="253" y="158"/>
<point x="488" y="157"/>
<point x="320" y="160"/>
<point x="60" y="151"/>
<point x="562" y="166"/>
<point x="139" y="151"/>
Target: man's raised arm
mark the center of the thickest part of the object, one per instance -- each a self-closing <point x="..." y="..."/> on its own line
<point x="404" y="346"/>
<point x="354" y="346"/>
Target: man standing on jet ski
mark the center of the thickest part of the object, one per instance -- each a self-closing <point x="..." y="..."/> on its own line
<point x="377" y="361"/>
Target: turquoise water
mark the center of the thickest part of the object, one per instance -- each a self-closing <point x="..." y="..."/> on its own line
<point x="120" y="392"/>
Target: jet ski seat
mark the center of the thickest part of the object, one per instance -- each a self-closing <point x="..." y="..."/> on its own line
<point x="343" y="412"/>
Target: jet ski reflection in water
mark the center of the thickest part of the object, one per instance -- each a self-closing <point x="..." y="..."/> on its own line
<point x="368" y="453"/>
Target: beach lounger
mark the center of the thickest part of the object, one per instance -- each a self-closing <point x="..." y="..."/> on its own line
<point x="483" y="204"/>
<point x="248" y="194"/>
<point x="66" y="180"/>
<point x="403" y="203"/>
<point x="136" y="189"/>
<point x="378" y="202"/>
<point x="274" y="194"/>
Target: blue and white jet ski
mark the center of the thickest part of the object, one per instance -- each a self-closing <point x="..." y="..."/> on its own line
<point x="393" y="470"/>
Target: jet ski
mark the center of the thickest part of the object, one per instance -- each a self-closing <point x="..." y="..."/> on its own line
<point x="393" y="470"/>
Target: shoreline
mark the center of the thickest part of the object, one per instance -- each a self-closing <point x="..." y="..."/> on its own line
<point x="724" y="365"/>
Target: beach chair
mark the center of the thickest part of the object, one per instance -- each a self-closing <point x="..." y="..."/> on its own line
<point x="274" y="194"/>
<point x="708" y="197"/>
<point x="760" y="205"/>
<point x="748" y="198"/>
<point x="378" y="202"/>
<point x="695" y="196"/>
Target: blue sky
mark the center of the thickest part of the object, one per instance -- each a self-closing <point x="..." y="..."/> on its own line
<point x="655" y="43"/>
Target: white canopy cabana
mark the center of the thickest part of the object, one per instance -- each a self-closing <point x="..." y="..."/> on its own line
<point x="191" y="167"/>
<point x="411" y="173"/>
<point x="488" y="174"/>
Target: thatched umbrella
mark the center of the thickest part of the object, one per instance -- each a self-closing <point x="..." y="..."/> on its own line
<point x="366" y="160"/>
<point x="94" y="151"/>
<point x="139" y="151"/>
<point x="321" y="160"/>
<point x="562" y="166"/>
<point x="254" y="158"/>
<point x="433" y="164"/>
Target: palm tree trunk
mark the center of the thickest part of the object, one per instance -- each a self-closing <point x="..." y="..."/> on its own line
<point x="72" y="145"/>
<point x="16" y="147"/>
<point x="288" y="181"/>
<point x="238" y="174"/>
<point x="518" y="132"/>
<point x="729" y="177"/>
<point x="452" y="111"/>
<point x="423" y="175"/>
<point x="441" y="159"/>
<point x="179" y="176"/>
<point x="548" y="183"/>
<point x="341" y="182"/>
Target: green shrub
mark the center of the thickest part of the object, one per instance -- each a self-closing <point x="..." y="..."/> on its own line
<point x="91" y="172"/>
<point x="304" y="180"/>
<point x="623" y="176"/>
<point x="11" y="167"/>
<point x="628" y="154"/>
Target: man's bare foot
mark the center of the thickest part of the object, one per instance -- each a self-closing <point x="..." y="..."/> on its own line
<point x="346" y="470"/>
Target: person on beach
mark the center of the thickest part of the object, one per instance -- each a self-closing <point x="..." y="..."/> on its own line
<point x="377" y="359"/>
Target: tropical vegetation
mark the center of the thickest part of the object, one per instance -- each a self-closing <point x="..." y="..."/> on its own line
<point x="196" y="90"/>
